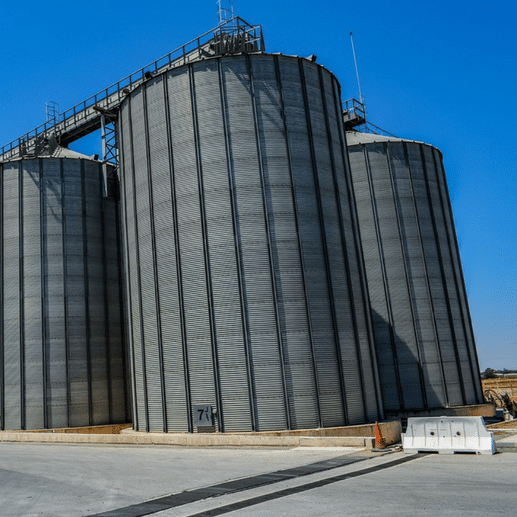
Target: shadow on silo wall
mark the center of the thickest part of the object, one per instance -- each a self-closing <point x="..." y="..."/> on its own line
<point x="408" y="381"/>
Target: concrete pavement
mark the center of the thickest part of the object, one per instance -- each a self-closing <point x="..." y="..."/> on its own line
<point x="79" y="480"/>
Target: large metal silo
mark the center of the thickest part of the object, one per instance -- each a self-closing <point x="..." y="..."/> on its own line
<point x="246" y="291"/>
<point x="424" y="339"/>
<point x="61" y="324"/>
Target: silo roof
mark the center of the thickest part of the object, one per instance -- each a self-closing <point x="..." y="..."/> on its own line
<point x="357" y="137"/>
<point x="64" y="152"/>
<point x="58" y="152"/>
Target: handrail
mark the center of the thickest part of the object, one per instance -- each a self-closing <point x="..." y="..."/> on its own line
<point x="353" y="106"/>
<point x="111" y="97"/>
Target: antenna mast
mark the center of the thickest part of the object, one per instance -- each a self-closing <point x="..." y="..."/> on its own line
<point x="361" y="99"/>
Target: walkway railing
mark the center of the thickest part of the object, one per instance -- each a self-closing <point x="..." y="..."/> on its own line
<point x="235" y="35"/>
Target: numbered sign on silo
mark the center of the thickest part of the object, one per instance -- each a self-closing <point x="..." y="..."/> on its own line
<point x="203" y="415"/>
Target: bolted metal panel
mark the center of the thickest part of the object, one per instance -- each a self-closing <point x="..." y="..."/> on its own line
<point x="305" y="200"/>
<point x="225" y="279"/>
<point x="77" y="326"/>
<point x="471" y="374"/>
<point x="54" y="292"/>
<point x="99" y="358"/>
<point x="424" y="345"/>
<point x="248" y="175"/>
<point x="132" y="277"/>
<point x="435" y="268"/>
<point x="326" y="291"/>
<point x="354" y="328"/>
<point x="444" y="227"/>
<point x="114" y="313"/>
<point x="167" y="263"/>
<point x="423" y="334"/>
<point x="247" y="267"/>
<point x="286" y="245"/>
<point x="56" y="342"/>
<point x="32" y="307"/>
<point x="192" y="244"/>
<point x="11" y="322"/>
<point x="149" y="328"/>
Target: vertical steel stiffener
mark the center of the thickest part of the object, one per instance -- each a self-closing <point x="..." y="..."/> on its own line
<point x="61" y="347"/>
<point x="242" y="258"/>
<point x="423" y="333"/>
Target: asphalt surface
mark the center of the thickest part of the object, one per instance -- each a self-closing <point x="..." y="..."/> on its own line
<point x="120" y="481"/>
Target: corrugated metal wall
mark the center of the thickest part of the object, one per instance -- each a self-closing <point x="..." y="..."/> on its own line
<point x="61" y="322"/>
<point x="246" y="287"/>
<point x="424" y="338"/>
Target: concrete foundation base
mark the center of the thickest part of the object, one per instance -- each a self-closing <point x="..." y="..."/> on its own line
<point x="484" y="410"/>
<point x="351" y="436"/>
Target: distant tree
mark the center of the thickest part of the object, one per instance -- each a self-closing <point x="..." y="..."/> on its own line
<point x="489" y="373"/>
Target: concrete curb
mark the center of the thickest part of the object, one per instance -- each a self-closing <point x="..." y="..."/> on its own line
<point x="484" y="410"/>
<point x="506" y="442"/>
<point x="506" y="447"/>
<point x="191" y="440"/>
<point x="350" y="436"/>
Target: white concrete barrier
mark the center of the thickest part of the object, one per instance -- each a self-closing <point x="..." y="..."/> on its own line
<point x="448" y="435"/>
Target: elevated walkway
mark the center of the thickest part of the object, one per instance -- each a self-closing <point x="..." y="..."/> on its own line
<point x="233" y="36"/>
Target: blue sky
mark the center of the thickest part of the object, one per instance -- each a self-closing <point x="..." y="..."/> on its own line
<point x="442" y="72"/>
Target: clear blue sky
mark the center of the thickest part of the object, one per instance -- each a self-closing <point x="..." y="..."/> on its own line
<point x="442" y="72"/>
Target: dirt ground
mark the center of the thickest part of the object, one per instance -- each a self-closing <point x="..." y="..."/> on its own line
<point x="504" y="426"/>
<point x="498" y="386"/>
<point x="501" y="384"/>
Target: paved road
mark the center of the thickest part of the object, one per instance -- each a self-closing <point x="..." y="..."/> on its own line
<point x="121" y="481"/>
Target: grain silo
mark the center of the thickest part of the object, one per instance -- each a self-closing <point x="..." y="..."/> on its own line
<point x="246" y="290"/>
<point x="424" y="339"/>
<point x="61" y="324"/>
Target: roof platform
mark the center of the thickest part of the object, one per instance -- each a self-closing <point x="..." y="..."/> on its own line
<point x="354" y="114"/>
